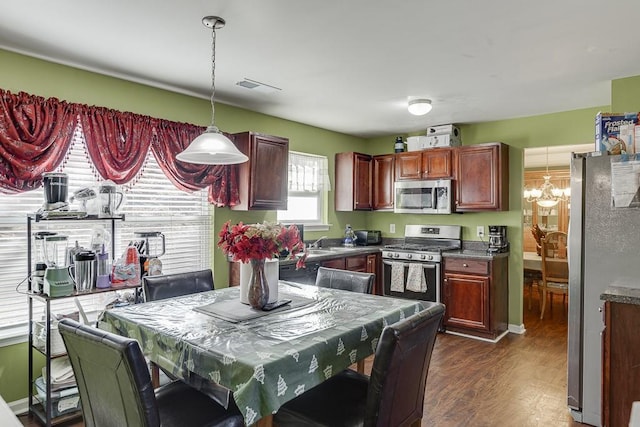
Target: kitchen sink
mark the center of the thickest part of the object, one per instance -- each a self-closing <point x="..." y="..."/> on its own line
<point x="341" y="249"/>
<point x="319" y="251"/>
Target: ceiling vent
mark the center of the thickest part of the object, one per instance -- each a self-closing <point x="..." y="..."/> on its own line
<point x="257" y="86"/>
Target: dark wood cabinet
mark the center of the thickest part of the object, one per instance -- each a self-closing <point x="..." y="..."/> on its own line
<point x="353" y="182"/>
<point x="621" y="362"/>
<point x="382" y="182"/>
<point x="475" y="293"/>
<point x="262" y="180"/>
<point x="433" y="163"/>
<point x="338" y="263"/>
<point x="482" y="177"/>
<point x="374" y="265"/>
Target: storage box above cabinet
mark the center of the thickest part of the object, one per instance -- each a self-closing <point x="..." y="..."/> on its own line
<point x="353" y="182"/>
<point x="263" y="179"/>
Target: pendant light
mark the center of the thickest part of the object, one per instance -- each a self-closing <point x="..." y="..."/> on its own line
<point x="547" y="196"/>
<point x="212" y="147"/>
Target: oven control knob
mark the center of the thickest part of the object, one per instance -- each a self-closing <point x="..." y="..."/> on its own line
<point x="423" y="256"/>
<point x="409" y="256"/>
<point x="429" y="257"/>
<point x="396" y="255"/>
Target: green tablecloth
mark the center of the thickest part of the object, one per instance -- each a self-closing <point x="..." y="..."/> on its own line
<point x="264" y="361"/>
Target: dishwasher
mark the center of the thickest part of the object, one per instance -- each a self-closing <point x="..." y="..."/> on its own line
<point x="306" y="275"/>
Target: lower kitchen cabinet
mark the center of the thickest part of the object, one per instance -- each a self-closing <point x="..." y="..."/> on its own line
<point x="621" y="360"/>
<point x="476" y="295"/>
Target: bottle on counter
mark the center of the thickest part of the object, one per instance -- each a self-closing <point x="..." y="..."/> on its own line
<point x="349" y="237"/>
<point x="398" y="147"/>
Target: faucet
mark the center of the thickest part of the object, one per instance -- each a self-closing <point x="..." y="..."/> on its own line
<point x="316" y="244"/>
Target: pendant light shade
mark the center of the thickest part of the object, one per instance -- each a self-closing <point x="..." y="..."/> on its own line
<point x="212" y="147"/>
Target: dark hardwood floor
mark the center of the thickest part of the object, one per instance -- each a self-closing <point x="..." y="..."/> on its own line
<point x="520" y="381"/>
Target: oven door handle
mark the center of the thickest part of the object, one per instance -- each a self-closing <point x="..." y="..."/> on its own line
<point x="430" y="265"/>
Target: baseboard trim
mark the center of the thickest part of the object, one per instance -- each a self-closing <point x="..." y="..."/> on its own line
<point x="19" y="407"/>
<point x="493" y="341"/>
<point x="517" y="329"/>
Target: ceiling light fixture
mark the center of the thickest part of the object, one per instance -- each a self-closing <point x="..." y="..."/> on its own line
<point x="419" y="107"/>
<point x="547" y="196"/>
<point x="212" y="147"/>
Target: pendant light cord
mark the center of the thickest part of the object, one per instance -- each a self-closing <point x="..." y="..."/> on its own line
<point x="213" y="73"/>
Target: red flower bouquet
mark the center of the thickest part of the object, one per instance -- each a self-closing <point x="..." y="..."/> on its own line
<point x="246" y="242"/>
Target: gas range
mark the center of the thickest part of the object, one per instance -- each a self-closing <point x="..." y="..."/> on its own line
<point x="425" y="243"/>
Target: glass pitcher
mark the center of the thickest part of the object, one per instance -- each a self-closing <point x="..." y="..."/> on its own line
<point x="109" y="199"/>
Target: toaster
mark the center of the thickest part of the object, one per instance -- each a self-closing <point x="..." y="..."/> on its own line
<point x="368" y="237"/>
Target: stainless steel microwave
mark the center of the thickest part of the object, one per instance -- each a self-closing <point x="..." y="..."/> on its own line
<point x="424" y="197"/>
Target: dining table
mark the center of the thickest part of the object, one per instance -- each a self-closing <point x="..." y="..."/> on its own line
<point x="533" y="261"/>
<point x="263" y="358"/>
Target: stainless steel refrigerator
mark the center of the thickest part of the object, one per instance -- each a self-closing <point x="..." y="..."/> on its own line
<point x="604" y="249"/>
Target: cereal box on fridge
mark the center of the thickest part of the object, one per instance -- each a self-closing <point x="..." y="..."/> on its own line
<point x="608" y="132"/>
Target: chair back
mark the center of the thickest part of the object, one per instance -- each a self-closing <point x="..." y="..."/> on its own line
<point x="554" y="246"/>
<point x="399" y="373"/>
<point x="178" y="284"/>
<point x="112" y="377"/>
<point x="346" y="280"/>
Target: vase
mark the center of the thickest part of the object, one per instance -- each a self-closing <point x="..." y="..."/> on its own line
<point x="272" y="271"/>
<point x="258" y="285"/>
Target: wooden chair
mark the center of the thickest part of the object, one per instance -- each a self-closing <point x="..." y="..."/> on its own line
<point x="531" y="277"/>
<point x="394" y="393"/>
<point x="348" y="281"/>
<point x="115" y="386"/>
<point x="555" y="268"/>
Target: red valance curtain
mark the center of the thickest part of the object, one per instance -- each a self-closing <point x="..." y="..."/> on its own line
<point x="171" y="139"/>
<point x="35" y="134"/>
<point x="117" y="142"/>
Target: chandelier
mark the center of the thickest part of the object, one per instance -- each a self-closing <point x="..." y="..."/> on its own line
<point x="547" y="196"/>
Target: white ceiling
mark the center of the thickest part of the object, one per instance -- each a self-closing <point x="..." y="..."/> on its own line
<point x="539" y="157"/>
<point x="349" y="65"/>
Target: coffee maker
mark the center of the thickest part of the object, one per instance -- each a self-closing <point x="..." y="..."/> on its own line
<point x="498" y="239"/>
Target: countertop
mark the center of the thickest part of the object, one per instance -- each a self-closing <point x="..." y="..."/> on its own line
<point x="470" y="250"/>
<point x="621" y="294"/>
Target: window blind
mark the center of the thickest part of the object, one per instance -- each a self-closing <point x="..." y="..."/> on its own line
<point x="152" y="203"/>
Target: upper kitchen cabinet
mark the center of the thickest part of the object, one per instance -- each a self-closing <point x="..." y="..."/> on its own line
<point x="481" y="173"/>
<point x="383" y="176"/>
<point x="434" y="163"/>
<point x="263" y="179"/>
<point x="353" y="182"/>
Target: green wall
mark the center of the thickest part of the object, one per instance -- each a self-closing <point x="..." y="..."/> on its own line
<point x="21" y="73"/>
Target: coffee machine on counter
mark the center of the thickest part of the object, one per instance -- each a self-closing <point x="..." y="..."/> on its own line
<point x="498" y="239"/>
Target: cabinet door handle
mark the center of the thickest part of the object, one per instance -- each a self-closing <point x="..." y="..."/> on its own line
<point x="465" y="265"/>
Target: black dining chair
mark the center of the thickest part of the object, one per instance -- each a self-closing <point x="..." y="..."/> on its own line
<point x="347" y="281"/>
<point x="115" y="386"/>
<point x="174" y="285"/>
<point x="177" y="284"/>
<point x="394" y="393"/>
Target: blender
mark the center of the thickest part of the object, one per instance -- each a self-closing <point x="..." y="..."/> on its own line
<point x="57" y="277"/>
<point x="55" y="191"/>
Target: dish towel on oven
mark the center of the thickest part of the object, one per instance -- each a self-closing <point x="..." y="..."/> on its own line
<point x="397" y="276"/>
<point x="415" y="278"/>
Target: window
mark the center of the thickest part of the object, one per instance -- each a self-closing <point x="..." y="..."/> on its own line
<point x="151" y="203"/>
<point x="308" y="186"/>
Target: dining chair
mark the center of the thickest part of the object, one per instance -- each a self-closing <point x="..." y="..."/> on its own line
<point x="394" y="393"/>
<point x="555" y="268"/>
<point x="346" y="280"/>
<point x="177" y="284"/>
<point x="530" y="278"/>
<point x="115" y="387"/>
<point x="174" y="285"/>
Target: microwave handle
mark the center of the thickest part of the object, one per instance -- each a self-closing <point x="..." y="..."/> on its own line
<point x="434" y="198"/>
